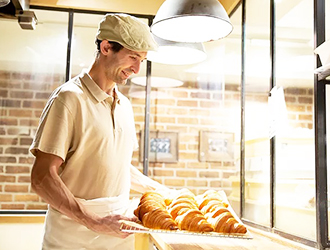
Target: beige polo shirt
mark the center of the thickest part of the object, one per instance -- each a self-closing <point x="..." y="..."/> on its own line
<point x="95" y="140"/>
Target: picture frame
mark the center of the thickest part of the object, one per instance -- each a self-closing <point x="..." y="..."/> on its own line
<point x="163" y="147"/>
<point x="215" y="146"/>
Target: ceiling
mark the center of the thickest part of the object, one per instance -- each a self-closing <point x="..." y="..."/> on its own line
<point x="143" y="7"/>
<point x="294" y="41"/>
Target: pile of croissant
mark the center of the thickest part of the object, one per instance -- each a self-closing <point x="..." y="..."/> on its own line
<point x="204" y="213"/>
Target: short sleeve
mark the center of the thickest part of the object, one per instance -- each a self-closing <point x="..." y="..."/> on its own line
<point x="54" y="132"/>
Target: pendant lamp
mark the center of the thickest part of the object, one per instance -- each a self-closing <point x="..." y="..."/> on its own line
<point x="177" y="53"/>
<point x="191" y="21"/>
<point x="4" y="3"/>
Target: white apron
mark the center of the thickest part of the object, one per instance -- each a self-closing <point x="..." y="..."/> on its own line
<point x="63" y="233"/>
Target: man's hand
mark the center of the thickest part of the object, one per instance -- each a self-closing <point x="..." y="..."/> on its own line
<point x="111" y="225"/>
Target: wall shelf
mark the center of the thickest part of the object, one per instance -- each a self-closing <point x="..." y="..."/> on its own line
<point x="323" y="72"/>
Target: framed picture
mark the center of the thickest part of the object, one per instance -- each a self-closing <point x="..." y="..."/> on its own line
<point x="216" y="146"/>
<point x="163" y="146"/>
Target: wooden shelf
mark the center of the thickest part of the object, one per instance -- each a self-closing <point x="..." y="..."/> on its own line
<point x="323" y="72"/>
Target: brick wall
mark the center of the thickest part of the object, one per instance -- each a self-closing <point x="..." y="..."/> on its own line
<point x="300" y="106"/>
<point x="22" y="98"/>
<point x="187" y="110"/>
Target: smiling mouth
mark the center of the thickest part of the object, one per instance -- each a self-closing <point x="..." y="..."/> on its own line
<point x="127" y="75"/>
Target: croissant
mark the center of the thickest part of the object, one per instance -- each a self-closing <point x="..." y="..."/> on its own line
<point x="226" y="223"/>
<point x="239" y="228"/>
<point x="180" y="208"/>
<point x="152" y="212"/>
<point x="229" y="225"/>
<point x="149" y="201"/>
<point x="159" y="219"/>
<point x="146" y="207"/>
<point x="211" y="206"/>
<point x="193" y="220"/>
<point x="190" y="201"/>
<point x="184" y="210"/>
<point x="219" y="221"/>
<point x="152" y="195"/>
<point x="206" y="200"/>
<point x="216" y="213"/>
<point x="184" y="193"/>
<point x="206" y="213"/>
<point x="215" y="195"/>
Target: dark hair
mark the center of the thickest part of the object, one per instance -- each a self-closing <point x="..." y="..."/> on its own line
<point x="114" y="45"/>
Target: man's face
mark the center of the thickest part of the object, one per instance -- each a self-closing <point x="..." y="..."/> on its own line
<point x="122" y="64"/>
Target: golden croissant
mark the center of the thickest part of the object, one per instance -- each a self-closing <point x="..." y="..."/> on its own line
<point x="209" y="196"/>
<point x="215" y="211"/>
<point x="226" y="223"/>
<point x="205" y="213"/>
<point x="185" y="212"/>
<point x="159" y="219"/>
<point x="180" y="208"/>
<point x="190" y="201"/>
<point x="152" y="212"/>
<point x="193" y="220"/>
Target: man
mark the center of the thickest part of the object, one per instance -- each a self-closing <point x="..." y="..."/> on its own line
<point x="84" y="144"/>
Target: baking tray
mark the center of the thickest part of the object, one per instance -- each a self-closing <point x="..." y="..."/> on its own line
<point x="133" y="227"/>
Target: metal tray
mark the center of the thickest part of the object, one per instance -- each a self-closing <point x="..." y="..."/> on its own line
<point x="133" y="227"/>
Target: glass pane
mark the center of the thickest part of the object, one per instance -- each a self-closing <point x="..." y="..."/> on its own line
<point x="293" y="102"/>
<point x="327" y="37"/>
<point x="32" y="64"/>
<point x="232" y="67"/>
<point x="203" y="114"/>
<point x="83" y="41"/>
<point x="257" y="147"/>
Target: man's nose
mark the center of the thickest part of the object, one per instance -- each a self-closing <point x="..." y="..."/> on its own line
<point x="136" y="67"/>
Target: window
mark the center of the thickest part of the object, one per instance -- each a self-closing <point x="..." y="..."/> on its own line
<point x="32" y="64"/>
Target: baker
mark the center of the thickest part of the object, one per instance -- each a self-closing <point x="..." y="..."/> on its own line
<point x="84" y="144"/>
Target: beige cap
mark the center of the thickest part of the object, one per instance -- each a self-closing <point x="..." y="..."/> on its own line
<point x="126" y="30"/>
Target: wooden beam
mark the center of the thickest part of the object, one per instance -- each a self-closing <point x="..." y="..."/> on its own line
<point x="22" y="219"/>
<point x="230" y="5"/>
<point x="143" y="7"/>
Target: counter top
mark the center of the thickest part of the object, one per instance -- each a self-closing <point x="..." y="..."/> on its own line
<point x="191" y="242"/>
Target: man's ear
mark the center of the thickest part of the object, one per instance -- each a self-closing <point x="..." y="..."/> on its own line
<point x="105" y="47"/>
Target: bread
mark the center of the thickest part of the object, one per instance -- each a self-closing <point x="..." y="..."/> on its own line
<point x="190" y="201"/>
<point x="147" y="206"/>
<point x="152" y="195"/>
<point x="212" y="195"/>
<point x="204" y="213"/>
<point x="184" y="210"/>
<point x="159" y="218"/>
<point x="180" y="208"/>
<point x="152" y="212"/>
<point x="215" y="210"/>
<point x="193" y="220"/>
<point x="227" y="224"/>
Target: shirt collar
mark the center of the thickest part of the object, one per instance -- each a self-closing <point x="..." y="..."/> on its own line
<point x="96" y="91"/>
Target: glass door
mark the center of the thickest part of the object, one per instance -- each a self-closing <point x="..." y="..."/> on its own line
<point x="293" y="100"/>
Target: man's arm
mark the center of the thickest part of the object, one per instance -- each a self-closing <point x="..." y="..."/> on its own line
<point x="46" y="182"/>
